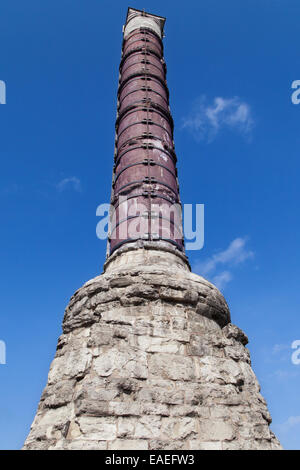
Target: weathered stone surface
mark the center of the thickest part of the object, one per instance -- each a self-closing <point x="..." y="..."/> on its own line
<point x="183" y="428"/>
<point x="200" y="445"/>
<point x="128" y="444"/>
<point x="217" y="430"/>
<point x="102" y="429"/>
<point x="59" y="394"/>
<point x="149" y="360"/>
<point x="83" y="444"/>
<point x="148" y="427"/>
<point x="171" y="366"/>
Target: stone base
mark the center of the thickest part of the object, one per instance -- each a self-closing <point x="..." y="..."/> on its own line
<point x="148" y="359"/>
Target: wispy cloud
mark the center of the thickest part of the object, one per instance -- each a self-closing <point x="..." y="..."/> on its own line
<point x="290" y="423"/>
<point x="235" y="254"/>
<point x="13" y="188"/>
<point x="72" y="183"/>
<point x="206" y="120"/>
<point x="220" y="280"/>
<point x="283" y="375"/>
<point x="281" y="353"/>
<point x="279" y="348"/>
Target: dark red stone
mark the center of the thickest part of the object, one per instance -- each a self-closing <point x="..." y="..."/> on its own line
<point x="145" y="162"/>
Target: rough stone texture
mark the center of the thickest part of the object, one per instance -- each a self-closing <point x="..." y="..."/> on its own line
<point x="148" y="359"/>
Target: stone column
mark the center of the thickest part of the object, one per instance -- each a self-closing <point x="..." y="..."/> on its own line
<point x="145" y="192"/>
<point x="148" y="357"/>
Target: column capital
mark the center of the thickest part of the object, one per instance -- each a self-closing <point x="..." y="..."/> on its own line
<point x="140" y="19"/>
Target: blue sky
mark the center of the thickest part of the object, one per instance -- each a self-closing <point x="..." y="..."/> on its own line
<point x="230" y="69"/>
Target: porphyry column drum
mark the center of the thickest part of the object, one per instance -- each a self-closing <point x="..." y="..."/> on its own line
<point x="145" y="187"/>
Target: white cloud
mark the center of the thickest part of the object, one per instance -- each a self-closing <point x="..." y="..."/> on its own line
<point x="278" y="348"/>
<point x="207" y="120"/>
<point x="290" y="423"/>
<point x="71" y="182"/>
<point x="235" y="254"/>
<point x="220" y="280"/>
<point x="284" y="375"/>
